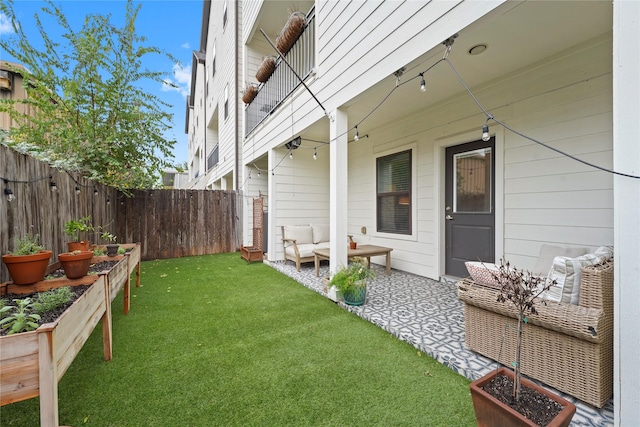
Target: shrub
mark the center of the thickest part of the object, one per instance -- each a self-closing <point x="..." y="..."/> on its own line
<point x="52" y="299"/>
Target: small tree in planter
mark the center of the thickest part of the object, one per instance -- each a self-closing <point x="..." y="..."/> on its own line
<point x="73" y="228"/>
<point x="520" y="288"/>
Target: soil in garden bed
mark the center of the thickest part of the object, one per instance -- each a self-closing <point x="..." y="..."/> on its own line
<point x="49" y="316"/>
<point x="78" y="290"/>
<point x="533" y="405"/>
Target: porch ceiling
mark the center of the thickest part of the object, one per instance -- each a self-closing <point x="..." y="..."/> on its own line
<point x="517" y="34"/>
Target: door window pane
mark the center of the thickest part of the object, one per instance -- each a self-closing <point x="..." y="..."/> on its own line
<point x="472" y="173"/>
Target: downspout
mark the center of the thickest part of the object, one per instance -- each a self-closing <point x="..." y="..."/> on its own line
<point x="236" y="97"/>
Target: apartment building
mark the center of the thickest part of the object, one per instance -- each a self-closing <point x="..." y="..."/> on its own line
<point x="449" y="131"/>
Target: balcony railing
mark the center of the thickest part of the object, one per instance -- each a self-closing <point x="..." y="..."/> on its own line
<point x="283" y="81"/>
<point x="213" y="158"/>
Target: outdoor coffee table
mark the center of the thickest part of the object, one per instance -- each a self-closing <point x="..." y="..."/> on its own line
<point x="364" y="251"/>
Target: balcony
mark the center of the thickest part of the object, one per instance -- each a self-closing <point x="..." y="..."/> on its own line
<point x="283" y="81"/>
<point x="213" y="157"/>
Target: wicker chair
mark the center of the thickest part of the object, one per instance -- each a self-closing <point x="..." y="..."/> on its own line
<point x="566" y="346"/>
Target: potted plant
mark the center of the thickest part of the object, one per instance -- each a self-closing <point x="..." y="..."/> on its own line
<point x="28" y="262"/>
<point x="73" y="228"/>
<point x="76" y="263"/>
<point x="112" y="248"/>
<point x="503" y="396"/>
<point x="351" y="281"/>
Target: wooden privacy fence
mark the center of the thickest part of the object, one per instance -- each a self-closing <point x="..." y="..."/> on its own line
<point x="35" y="208"/>
<point x="167" y="223"/>
<point x="177" y="223"/>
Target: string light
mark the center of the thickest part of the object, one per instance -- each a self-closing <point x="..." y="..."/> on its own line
<point x="95" y="191"/>
<point x="53" y="185"/>
<point x="77" y="190"/>
<point x="357" y="136"/>
<point x="485" y="133"/>
<point x="315" y="153"/>
<point x="258" y="173"/>
<point x="9" y="193"/>
<point x="423" y="84"/>
<point x="291" y="154"/>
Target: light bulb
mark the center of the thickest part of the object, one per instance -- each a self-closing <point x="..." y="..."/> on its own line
<point x="356" y="137"/>
<point x="291" y="154"/>
<point x="485" y="133"/>
<point x="53" y="186"/>
<point x="95" y="191"/>
<point x="423" y="84"/>
<point x="258" y="174"/>
<point x="77" y="190"/>
<point x="315" y="154"/>
<point x="9" y="193"/>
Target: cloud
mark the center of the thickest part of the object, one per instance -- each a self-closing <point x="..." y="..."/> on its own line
<point x="181" y="81"/>
<point x="5" y="24"/>
<point x="186" y="45"/>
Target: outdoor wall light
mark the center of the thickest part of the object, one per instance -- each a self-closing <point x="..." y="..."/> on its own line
<point x="9" y="193"/>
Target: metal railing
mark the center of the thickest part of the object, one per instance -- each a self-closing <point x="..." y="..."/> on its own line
<point x="213" y="157"/>
<point x="283" y="81"/>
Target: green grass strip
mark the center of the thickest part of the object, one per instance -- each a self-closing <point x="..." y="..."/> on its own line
<point x="213" y="341"/>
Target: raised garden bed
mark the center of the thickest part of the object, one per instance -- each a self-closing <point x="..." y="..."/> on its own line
<point x="32" y="363"/>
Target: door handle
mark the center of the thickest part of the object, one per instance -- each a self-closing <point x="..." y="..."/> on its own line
<point x="448" y="217"/>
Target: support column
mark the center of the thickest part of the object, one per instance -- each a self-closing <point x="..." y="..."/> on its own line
<point x="338" y="190"/>
<point x="274" y="234"/>
<point x="626" y="205"/>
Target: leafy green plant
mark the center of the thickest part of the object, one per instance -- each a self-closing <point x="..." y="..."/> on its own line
<point x="74" y="227"/>
<point x="52" y="299"/>
<point x="19" y="318"/>
<point x="347" y="278"/>
<point x="27" y="245"/>
<point x="121" y="251"/>
<point x="99" y="251"/>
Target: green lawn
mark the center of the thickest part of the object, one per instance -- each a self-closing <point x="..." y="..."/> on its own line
<point x="211" y="340"/>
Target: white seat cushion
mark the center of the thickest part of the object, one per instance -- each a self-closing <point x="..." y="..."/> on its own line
<point x="320" y="232"/>
<point x="302" y="234"/>
<point x="548" y="253"/>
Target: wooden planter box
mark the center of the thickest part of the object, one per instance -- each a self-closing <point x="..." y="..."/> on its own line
<point x="32" y="363"/>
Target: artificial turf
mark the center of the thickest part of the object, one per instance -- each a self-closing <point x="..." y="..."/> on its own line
<point x="214" y="341"/>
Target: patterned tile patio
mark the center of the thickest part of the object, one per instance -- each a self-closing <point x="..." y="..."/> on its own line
<point x="428" y="315"/>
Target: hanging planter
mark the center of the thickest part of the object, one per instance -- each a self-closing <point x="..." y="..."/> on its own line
<point x="291" y="32"/>
<point x="249" y="94"/>
<point x="266" y="69"/>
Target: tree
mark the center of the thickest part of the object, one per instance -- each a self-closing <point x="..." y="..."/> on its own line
<point x="92" y="114"/>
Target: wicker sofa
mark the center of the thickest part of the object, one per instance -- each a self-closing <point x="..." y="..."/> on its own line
<point x="566" y="346"/>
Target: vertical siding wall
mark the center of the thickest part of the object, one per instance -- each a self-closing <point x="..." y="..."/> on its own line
<point x="38" y="210"/>
<point x="564" y="101"/>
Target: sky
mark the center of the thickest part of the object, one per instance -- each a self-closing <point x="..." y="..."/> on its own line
<point x="171" y="25"/>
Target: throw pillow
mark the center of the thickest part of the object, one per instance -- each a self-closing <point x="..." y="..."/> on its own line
<point x="549" y="252"/>
<point x="480" y="272"/>
<point x="567" y="272"/>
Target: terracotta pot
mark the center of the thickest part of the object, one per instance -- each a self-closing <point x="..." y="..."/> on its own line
<point x="76" y="265"/>
<point x="78" y="246"/>
<point x="27" y="269"/>
<point x="353" y="245"/>
<point x="492" y="412"/>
